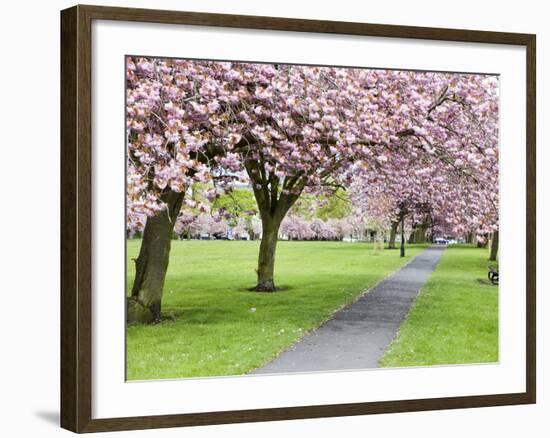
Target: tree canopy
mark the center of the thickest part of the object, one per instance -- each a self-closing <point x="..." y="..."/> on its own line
<point x="420" y="145"/>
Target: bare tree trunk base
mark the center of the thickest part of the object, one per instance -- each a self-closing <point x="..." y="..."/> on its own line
<point x="137" y="313"/>
<point x="265" y="286"/>
<point x="393" y="233"/>
<point x="152" y="263"/>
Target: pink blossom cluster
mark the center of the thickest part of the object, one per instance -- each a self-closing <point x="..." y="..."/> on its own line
<point x="196" y="225"/>
<point x="296" y="227"/>
<point x="423" y="141"/>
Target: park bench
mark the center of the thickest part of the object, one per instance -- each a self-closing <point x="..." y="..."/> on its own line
<point x="493" y="275"/>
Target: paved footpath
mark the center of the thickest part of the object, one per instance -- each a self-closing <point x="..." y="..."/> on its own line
<point x="357" y="335"/>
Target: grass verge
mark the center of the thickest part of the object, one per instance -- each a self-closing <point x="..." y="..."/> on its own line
<point x="454" y="319"/>
<point x="217" y="327"/>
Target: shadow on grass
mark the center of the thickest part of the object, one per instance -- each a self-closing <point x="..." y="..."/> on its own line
<point x="486" y="282"/>
<point x="282" y="288"/>
<point x="201" y="315"/>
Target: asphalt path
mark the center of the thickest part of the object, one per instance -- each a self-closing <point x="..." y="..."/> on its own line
<point x="357" y="336"/>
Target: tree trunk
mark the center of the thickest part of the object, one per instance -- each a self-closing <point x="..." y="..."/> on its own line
<point x="145" y="303"/>
<point x="393" y="232"/>
<point x="266" y="257"/>
<point x="274" y="196"/>
<point x="494" y="247"/>
<point x="414" y="234"/>
<point x="421" y="233"/>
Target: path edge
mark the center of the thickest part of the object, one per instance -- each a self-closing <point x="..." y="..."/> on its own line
<point x="342" y="307"/>
<point x="411" y="308"/>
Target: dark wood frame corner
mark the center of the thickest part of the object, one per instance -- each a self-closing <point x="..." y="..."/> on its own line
<point x="76" y="222"/>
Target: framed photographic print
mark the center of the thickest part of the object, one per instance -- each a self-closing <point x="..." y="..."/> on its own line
<point x="271" y="218"/>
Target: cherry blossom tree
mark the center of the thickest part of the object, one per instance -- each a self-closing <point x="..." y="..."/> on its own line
<point x="453" y="196"/>
<point x="309" y="124"/>
<point x="293" y="129"/>
<point x="294" y="227"/>
<point x="178" y="133"/>
<point x="241" y="228"/>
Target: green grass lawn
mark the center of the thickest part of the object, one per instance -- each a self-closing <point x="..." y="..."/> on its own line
<point x="218" y="327"/>
<point x="454" y="319"/>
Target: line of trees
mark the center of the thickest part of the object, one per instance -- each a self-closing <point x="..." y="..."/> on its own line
<point x="291" y="130"/>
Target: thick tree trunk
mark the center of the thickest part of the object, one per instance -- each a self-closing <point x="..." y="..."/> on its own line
<point x="413" y="236"/>
<point x="266" y="257"/>
<point x="418" y="235"/>
<point x="393" y="233"/>
<point x="145" y="303"/>
<point x="494" y="247"/>
<point x="421" y="233"/>
<point x="274" y="196"/>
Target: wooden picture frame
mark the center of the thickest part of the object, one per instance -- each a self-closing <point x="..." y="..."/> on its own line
<point x="76" y="218"/>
